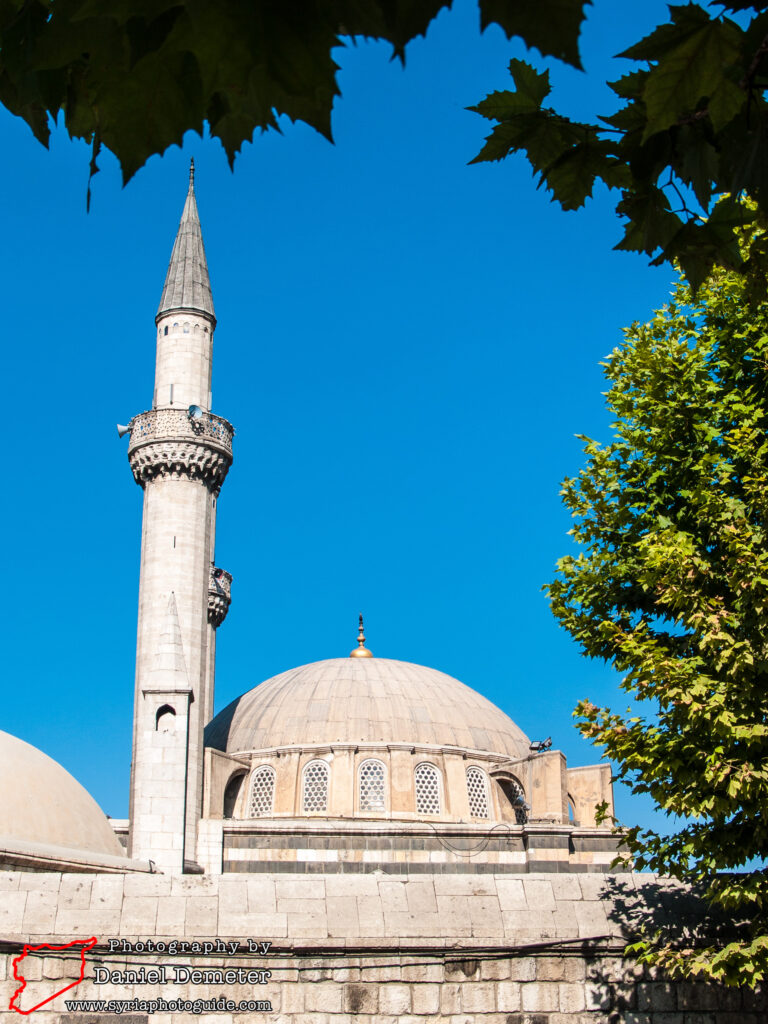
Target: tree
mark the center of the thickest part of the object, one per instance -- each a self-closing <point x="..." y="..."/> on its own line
<point x="671" y="587"/>
<point x="134" y="75"/>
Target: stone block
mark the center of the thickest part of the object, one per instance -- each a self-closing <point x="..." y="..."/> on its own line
<point x="598" y="995"/>
<point x="423" y="973"/>
<point x="453" y="912"/>
<point x="571" y="997"/>
<point x="538" y="893"/>
<point x="425" y="999"/>
<point x="300" y="888"/>
<point x="393" y="898"/>
<point x="37" y="881"/>
<point x="656" y="995"/>
<point x="566" y="887"/>
<point x="494" y="970"/>
<point x="522" y="969"/>
<point x="170" y="916"/>
<point x="508" y="995"/>
<point x="201" y="916"/>
<point x="293" y="998"/>
<point x="405" y="925"/>
<point x="146" y="885"/>
<point x="261" y="895"/>
<point x="107" y="891"/>
<point x="325" y="997"/>
<point x="697" y="996"/>
<point x="540" y="996"/>
<point x="342" y="916"/>
<point x="511" y="894"/>
<point x="485" y="917"/>
<point x="39" y="913"/>
<point x="592" y="920"/>
<point x="450" y="998"/>
<point x="370" y="915"/>
<point x="478" y="997"/>
<point x="75" y="890"/>
<point x="361" y="998"/>
<point x="394" y="999"/>
<point x="139" y="915"/>
<point x="420" y="897"/>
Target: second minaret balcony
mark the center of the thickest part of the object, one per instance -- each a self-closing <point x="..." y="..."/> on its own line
<point x="175" y="442"/>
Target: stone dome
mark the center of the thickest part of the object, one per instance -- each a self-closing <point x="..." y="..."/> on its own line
<point x="364" y="700"/>
<point x="41" y="803"/>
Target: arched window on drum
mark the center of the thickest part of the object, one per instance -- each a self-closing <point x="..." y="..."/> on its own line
<point x="315" y="787"/>
<point x="371" y="786"/>
<point x="477" y="791"/>
<point x="514" y="795"/>
<point x="262" y="792"/>
<point x="427" y="779"/>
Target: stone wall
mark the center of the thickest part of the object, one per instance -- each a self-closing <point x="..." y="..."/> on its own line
<point x="455" y="948"/>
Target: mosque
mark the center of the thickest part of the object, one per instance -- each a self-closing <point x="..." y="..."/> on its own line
<point x="357" y="805"/>
<point x="356" y="763"/>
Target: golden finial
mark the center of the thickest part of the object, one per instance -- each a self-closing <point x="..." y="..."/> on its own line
<point x="361" y="651"/>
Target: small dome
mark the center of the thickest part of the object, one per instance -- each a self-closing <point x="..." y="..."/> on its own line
<point x="40" y="802"/>
<point x="364" y="700"/>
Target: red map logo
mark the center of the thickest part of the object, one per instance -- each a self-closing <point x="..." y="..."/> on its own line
<point x="85" y="944"/>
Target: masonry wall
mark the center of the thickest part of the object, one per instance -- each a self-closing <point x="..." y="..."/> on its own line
<point x="454" y="948"/>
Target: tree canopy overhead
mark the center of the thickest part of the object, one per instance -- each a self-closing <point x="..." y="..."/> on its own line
<point x="691" y="124"/>
<point x="671" y="587"/>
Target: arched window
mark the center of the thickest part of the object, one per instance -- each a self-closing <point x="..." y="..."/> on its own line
<point x="427" y="789"/>
<point x="477" y="791"/>
<point x="371" y="780"/>
<point x="165" y="329"/>
<point x="165" y="719"/>
<point x="231" y="794"/>
<point x="515" y="795"/>
<point x="262" y="792"/>
<point x="186" y="328"/>
<point x="315" y="787"/>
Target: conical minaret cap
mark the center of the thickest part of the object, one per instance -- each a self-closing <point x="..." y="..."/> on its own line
<point x="169" y="670"/>
<point x="187" y="284"/>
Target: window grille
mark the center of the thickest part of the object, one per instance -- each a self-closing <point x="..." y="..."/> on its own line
<point x="315" y="786"/>
<point x="427" y="789"/>
<point x="262" y="792"/>
<point x="478" y="793"/>
<point x="372" y="786"/>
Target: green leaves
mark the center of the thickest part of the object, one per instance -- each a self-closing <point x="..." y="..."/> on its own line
<point x="552" y="26"/>
<point x="568" y="156"/>
<point x="692" y="126"/>
<point x="135" y="75"/>
<point x="670" y="585"/>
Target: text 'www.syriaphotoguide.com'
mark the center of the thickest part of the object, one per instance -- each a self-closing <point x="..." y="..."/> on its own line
<point x="218" y="1005"/>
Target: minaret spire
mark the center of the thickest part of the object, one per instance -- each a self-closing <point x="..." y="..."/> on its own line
<point x="180" y="453"/>
<point x="187" y="284"/>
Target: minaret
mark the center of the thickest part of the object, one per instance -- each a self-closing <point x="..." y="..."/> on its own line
<point x="180" y="454"/>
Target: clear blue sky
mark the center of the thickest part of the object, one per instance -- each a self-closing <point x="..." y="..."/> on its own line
<point x="407" y="346"/>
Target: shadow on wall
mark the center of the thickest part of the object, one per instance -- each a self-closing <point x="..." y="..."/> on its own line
<point x="646" y="906"/>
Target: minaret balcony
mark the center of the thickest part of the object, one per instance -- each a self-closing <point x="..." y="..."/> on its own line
<point x="178" y="442"/>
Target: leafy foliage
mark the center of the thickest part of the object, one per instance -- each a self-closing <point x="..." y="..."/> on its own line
<point x="671" y="587"/>
<point x="692" y="127"/>
<point x="134" y="75"/>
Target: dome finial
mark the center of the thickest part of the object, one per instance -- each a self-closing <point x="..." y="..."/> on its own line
<point x="361" y="651"/>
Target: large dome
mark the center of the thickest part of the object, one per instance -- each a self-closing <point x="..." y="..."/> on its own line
<point x="41" y="803"/>
<point x="364" y="700"/>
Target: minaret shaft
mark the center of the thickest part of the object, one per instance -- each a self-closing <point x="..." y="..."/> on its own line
<point x="180" y="455"/>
